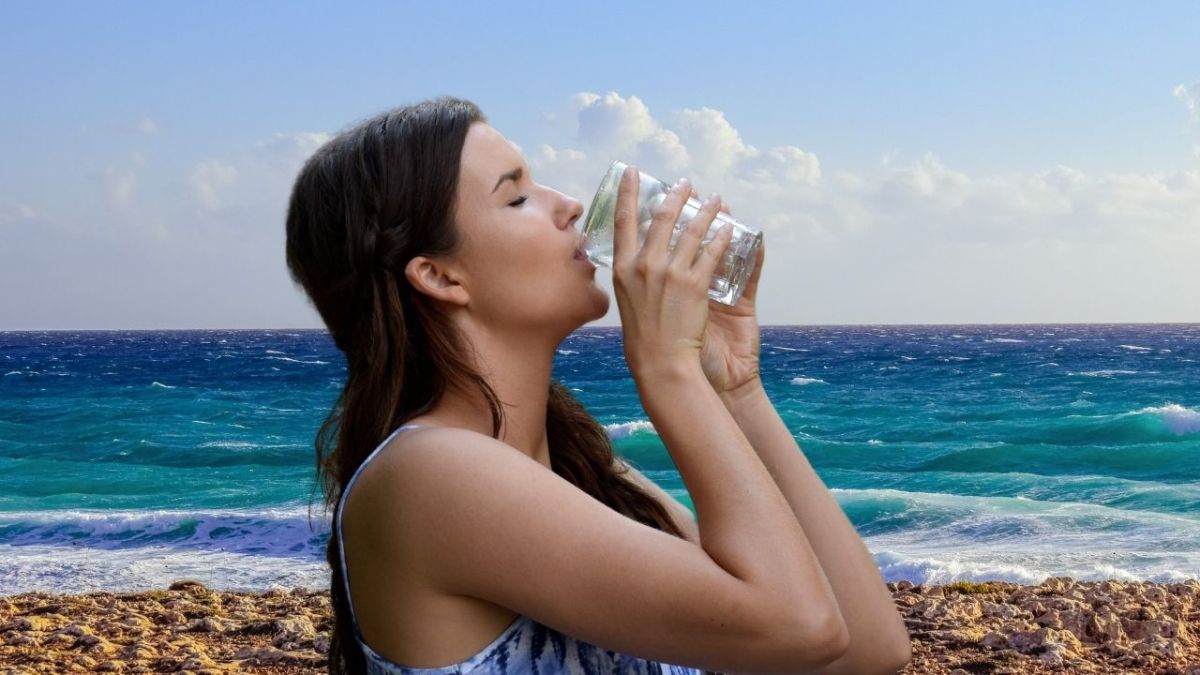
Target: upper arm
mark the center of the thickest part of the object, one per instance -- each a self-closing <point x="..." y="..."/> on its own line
<point x="679" y="513"/>
<point x="491" y="523"/>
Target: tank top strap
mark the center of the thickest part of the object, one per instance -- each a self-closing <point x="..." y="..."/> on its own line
<point x="338" y="524"/>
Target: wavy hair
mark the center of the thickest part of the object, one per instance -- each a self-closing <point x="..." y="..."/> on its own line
<point x="363" y="205"/>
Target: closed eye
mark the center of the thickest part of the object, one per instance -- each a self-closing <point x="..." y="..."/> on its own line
<point x="519" y="201"/>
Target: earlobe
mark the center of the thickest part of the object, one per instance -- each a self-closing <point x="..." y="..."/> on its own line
<point x="435" y="280"/>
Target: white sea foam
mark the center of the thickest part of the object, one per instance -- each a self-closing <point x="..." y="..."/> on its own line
<point x="1179" y="420"/>
<point x="1135" y="348"/>
<point x="287" y="358"/>
<point x="164" y="386"/>
<point x="1105" y="373"/>
<point x="808" y="380"/>
<point x="626" y="429"/>
<point x="965" y="537"/>
<point x="566" y="352"/>
<point x="1003" y="340"/>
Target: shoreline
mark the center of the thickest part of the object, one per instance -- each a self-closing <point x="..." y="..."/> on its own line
<point x="962" y="628"/>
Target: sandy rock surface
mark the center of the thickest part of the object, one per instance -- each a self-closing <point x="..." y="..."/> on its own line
<point x="1060" y="626"/>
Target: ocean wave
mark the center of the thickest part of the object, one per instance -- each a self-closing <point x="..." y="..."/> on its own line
<point x="1003" y="340"/>
<point x="566" y="352"/>
<point x="59" y="569"/>
<point x="164" y="386"/>
<point x="1178" y="419"/>
<point x="1136" y="348"/>
<point x="621" y="430"/>
<point x="288" y="358"/>
<point x="278" y="532"/>
<point x="1104" y="373"/>
<point x="808" y="380"/>
<point x="933" y="566"/>
<point x="947" y="522"/>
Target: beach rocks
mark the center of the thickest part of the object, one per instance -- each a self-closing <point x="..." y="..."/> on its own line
<point x="187" y="629"/>
<point x="1060" y="625"/>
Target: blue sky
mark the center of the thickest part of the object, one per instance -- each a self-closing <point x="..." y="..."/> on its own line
<point x="911" y="162"/>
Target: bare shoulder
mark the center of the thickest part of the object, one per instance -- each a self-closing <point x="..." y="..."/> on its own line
<point x="472" y="517"/>
<point x="682" y="516"/>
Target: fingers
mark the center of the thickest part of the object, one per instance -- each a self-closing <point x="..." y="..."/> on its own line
<point x="625" y="225"/>
<point x="724" y="206"/>
<point x="684" y="255"/>
<point x="665" y="215"/>
<point x="752" y="283"/>
<point x="714" y="253"/>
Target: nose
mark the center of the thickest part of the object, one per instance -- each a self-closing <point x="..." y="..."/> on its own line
<point x="571" y="210"/>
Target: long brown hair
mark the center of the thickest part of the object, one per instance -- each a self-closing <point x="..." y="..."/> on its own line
<point x="363" y="205"/>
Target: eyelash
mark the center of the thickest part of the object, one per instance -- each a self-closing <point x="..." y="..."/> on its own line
<point x="518" y="202"/>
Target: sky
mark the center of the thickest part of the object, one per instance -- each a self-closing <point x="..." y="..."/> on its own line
<point x="908" y="163"/>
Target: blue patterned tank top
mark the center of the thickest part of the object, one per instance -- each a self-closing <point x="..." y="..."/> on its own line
<point x="526" y="646"/>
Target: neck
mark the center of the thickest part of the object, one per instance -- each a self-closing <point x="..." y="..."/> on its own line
<point x="518" y="370"/>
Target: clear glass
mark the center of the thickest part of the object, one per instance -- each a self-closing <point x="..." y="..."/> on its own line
<point x="729" y="279"/>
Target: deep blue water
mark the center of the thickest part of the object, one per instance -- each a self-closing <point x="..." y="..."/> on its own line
<point x="130" y="459"/>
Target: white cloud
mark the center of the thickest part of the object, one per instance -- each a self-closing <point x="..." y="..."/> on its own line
<point x="13" y="212"/>
<point x="1190" y="95"/>
<point x="119" y="184"/>
<point x="208" y="180"/>
<point x="899" y="232"/>
<point x="145" y="126"/>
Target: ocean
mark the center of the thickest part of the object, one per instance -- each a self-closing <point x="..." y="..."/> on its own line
<point x="130" y="459"/>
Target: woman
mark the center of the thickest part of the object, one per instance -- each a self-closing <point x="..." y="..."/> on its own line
<point x="490" y="529"/>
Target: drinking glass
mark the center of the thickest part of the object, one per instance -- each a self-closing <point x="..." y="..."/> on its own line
<point x="729" y="278"/>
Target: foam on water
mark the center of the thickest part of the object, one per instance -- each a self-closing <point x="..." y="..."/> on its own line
<point x="807" y="380"/>
<point x="1179" y="420"/>
<point x="961" y="452"/>
<point x="626" y="429"/>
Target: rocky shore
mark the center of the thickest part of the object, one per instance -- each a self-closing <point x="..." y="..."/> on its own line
<point x="1059" y="626"/>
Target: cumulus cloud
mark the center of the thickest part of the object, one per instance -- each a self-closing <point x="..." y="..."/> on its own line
<point x="912" y="225"/>
<point x="144" y="126"/>
<point x="208" y="180"/>
<point x="1190" y="95"/>
<point x="785" y="190"/>
<point x="119" y="184"/>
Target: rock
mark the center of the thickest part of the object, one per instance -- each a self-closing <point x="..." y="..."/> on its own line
<point x="30" y="623"/>
<point x="994" y="640"/>
<point x="204" y="625"/>
<point x="294" y="631"/>
<point x="139" y="652"/>
<point x="270" y="656"/>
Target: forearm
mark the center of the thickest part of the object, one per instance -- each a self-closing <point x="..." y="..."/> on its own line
<point x="879" y="642"/>
<point x="746" y="524"/>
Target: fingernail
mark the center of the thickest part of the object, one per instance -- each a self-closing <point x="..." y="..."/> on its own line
<point x="714" y="198"/>
<point x="682" y="184"/>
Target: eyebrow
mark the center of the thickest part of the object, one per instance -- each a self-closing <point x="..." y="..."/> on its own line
<point x="514" y="176"/>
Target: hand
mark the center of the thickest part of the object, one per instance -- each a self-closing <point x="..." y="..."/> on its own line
<point x="730" y="347"/>
<point x="663" y="296"/>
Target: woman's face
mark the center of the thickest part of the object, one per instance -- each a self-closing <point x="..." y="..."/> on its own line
<point x="518" y="262"/>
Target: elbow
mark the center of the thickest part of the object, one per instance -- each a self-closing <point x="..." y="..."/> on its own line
<point x="822" y="641"/>
<point x="834" y="641"/>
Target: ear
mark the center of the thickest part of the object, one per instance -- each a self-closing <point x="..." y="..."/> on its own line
<point x="436" y="279"/>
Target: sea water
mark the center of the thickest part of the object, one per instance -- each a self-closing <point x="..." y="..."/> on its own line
<point x="132" y="459"/>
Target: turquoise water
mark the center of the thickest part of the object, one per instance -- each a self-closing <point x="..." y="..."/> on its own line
<point x="130" y="459"/>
